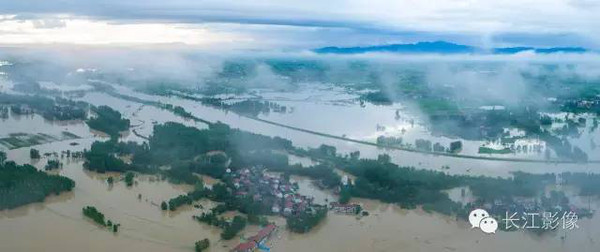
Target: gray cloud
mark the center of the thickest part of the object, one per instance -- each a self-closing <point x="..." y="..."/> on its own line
<point x="360" y="21"/>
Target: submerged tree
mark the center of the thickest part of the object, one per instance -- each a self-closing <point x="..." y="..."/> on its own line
<point x="202" y="245"/>
<point x="34" y="154"/>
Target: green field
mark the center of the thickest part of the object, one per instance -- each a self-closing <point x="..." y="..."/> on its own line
<point x="19" y="140"/>
<point x="486" y="150"/>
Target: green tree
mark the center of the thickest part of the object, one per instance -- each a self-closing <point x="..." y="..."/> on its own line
<point x="345" y="195"/>
<point x="24" y="184"/>
<point x="129" y="178"/>
<point x="34" y="154"/>
<point x="202" y="245"/>
<point x="237" y="224"/>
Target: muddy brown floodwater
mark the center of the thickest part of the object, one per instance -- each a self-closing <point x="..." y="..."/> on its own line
<point x="58" y="225"/>
<point x="390" y="228"/>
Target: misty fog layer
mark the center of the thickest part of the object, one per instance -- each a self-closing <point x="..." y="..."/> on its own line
<point x="471" y="79"/>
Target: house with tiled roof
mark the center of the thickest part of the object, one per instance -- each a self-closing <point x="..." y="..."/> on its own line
<point x="244" y="247"/>
<point x="344" y="208"/>
<point x="253" y="241"/>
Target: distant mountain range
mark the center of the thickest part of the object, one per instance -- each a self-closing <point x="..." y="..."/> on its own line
<point x="443" y="47"/>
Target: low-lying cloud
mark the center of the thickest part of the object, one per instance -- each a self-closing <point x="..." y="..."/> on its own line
<point x="493" y="78"/>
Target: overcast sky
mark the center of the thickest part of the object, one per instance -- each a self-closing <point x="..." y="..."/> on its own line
<point x="300" y="24"/>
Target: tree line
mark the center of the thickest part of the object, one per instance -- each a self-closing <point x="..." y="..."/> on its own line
<point x="24" y="184"/>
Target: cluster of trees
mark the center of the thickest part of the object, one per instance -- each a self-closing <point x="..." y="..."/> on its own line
<point x="102" y="158"/>
<point x="211" y="218"/>
<point x="406" y="186"/>
<point x="98" y="217"/>
<point x="303" y="222"/>
<point x="129" y="178"/>
<point x="245" y="107"/>
<point x="52" y="165"/>
<point x="24" y="184"/>
<point x="184" y="150"/>
<point x="380" y="179"/>
<point x="257" y="220"/>
<point x="545" y="120"/>
<point x="34" y="154"/>
<point x="201" y="245"/>
<point x="455" y="146"/>
<point x="255" y="107"/>
<point x="345" y="194"/>
<point x="378" y="98"/>
<point x="3" y="112"/>
<point x="437" y="147"/>
<point x="422" y="144"/>
<point x="93" y="213"/>
<point x="20" y="110"/>
<point x="108" y="121"/>
<point x="176" y="202"/>
<point x="520" y="185"/>
<point x="174" y="141"/>
<point x="220" y="193"/>
<point x="180" y="111"/>
<point x="389" y="141"/>
<point x="187" y="199"/>
<point x="51" y="109"/>
<point x="230" y="228"/>
<point x="182" y="172"/>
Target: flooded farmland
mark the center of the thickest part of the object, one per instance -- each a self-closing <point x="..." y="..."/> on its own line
<point x="309" y="117"/>
<point x="57" y="223"/>
<point x="342" y="117"/>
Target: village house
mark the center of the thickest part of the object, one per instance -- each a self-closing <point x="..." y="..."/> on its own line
<point x="345" y="208"/>
<point x="244" y="247"/>
<point x="280" y="194"/>
<point x="253" y="241"/>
